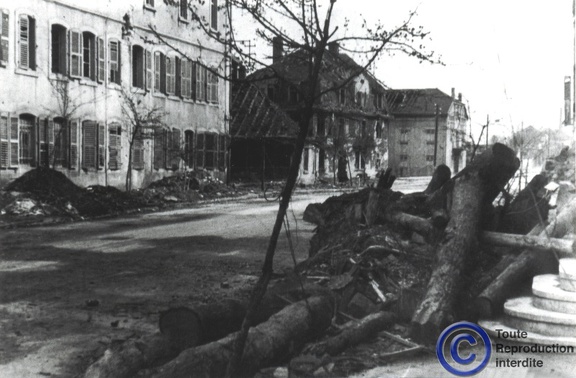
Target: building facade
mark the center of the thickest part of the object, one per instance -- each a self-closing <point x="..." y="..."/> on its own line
<point x="349" y="131"/>
<point x="413" y="137"/>
<point x="68" y="69"/>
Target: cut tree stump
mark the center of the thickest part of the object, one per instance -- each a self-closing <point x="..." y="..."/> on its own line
<point x="526" y="265"/>
<point x="352" y="333"/>
<point x="271" y="342"/>
<point x="474" y="187"/>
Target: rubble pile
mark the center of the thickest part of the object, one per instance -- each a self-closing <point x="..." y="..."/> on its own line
<point x="48" y="192"/>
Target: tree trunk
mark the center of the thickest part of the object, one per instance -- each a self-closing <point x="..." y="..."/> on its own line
<point x="526" y="265"/>
<point x="536" y="243"/>
<point x="475" y="186"/>
<point x="352" y="333"/>
<point x="268" y="343"/>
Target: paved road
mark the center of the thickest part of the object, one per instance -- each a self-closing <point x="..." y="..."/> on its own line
<point x="68" y="290"/>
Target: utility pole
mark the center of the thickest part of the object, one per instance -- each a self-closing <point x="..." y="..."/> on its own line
<point x="436" y="132"/>
<point x="487" y="124"/>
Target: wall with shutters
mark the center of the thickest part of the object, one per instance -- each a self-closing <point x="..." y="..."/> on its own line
<point x="29" y="91"/>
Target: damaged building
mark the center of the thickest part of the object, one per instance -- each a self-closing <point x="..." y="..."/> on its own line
<point x="349" y="131"/>
<point x="64" y="65"/>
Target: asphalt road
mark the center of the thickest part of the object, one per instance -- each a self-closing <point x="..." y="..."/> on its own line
<point x="69" y="290"/>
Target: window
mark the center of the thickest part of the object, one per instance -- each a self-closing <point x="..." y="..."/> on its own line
<point x="89" y="55"/>
<point x="27" y="138"/>
<point x="359" y="162"/>
<point x="210" y="150"/>
<point x="321" y="126"/>
<point x="184" y="9"/>
<point x="200" y="151"/>
<point x="378" y="100"/>
<point x="138" y="153"/>
<point x="306" y="160"/>
<point x="138" y="67"/>
<point x="429" y="136"/>
<point x="403" y="157"/>
<point x="9" y="141"/>
<point x="58" y="49"/>
<point x="114" y="62"/>
<point x="214" y="14"/>
<point x="4" y="37"/>
<point x="200" y="82"/>
<point x="359" y="98"/>
<point x="341" y="128"/>
<point x="378" y="130"/>
<point x="363" y="129"/>
<point x="27" y="43"/>
<point x="189" y="148"/>
<point x="342" y="96"/>
<point x="271" y="92"/>
<point x="170" y="75"/>
<point x="212" y="87"/>
<point x="429" y="157"/>
<point x="60" y="137"/>
<point x="404" y="136"/>
<point x="186" y="78"/>
<point x="46" y="138"/>
<point x="149" y="3"/>
<point x="115" y="146"/>
<point x="293" y="95"/>
<point x="321" y="160"/>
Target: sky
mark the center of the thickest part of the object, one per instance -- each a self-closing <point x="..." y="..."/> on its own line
<point x="508" y="58"/>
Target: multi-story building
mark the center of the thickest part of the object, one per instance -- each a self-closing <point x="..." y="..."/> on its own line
<point x="68" y="68"/>
<point x="348" y="135"/>
<point x="417" y="113"/>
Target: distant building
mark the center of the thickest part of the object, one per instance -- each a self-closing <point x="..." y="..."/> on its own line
<point x="413" y="129"/>
<point x="349" y="131"/>
<point x="94" y="50"/>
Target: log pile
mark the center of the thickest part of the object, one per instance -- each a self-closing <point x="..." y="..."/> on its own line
<point x="379" y="257"/>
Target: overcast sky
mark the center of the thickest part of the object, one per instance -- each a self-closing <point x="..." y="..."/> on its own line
<point x="508" y="58"/>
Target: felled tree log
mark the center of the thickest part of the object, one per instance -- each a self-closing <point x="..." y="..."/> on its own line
<point x="475" y="186"/>
<point x="528" y="264"/>
<point x="270" y="342"/>
<point x="352" y="333"/>
<point x="536" y="243"/>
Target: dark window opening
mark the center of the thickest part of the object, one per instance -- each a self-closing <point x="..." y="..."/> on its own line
<point x="58" y="49"/>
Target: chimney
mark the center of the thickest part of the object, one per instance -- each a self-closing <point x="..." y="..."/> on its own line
<point x="453" y="93"/>
<point x="334" y="47"/>
<point x="277" y="49"/>
<point x="460" y="97"/>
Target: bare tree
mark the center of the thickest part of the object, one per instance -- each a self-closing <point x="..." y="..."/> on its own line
<point x="142" y="122"/>
<point x="307" y="28"/>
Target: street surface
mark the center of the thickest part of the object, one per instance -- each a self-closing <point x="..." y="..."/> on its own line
<point x="69" y="290"/>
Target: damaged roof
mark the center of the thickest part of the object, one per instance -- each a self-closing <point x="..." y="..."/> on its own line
<point x="421" y="102"/>
<point x="255" y="116"/>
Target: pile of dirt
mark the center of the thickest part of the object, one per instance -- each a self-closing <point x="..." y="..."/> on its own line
<point x="48" y="192"/>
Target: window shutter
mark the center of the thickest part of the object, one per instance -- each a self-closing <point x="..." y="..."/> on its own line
<point x="157" y="74"/>
<point x="14" y="147"/>
<point x="50" y="142"/>
<point x="119" y="72"/>
<point x="75" y="53"/>
<point x="4" y="142"/>
<point x="170" y="75"/>
<point x="200" y="151"/>
<point x="43" y="143"/>
<point x="101" y="60"/>
<point x="4" y="37"/>
<point x="222" y="147"/>
<point x="101" y="151"/>
<point x="178" y="86"/>
<point x="114" y="147"/>
<point x="162" y="73"/>
<point x="73" y="148"/>
<point x="194" y="68"/>
<point x="137" y="154"/>
<point x="24" y="41"/>
<point x="159" y="156"/>
<point x="205" y="84"/>
<point x="89" y="142"/>
<point x="148" y="70"/>
<point x="175" y="160"/>
<point x="58" y="144"/>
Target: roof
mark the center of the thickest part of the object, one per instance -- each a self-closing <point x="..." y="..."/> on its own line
<point x="255" y="116"/>
<point x="418" y="101"/>
<point x="293" y="68"/>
